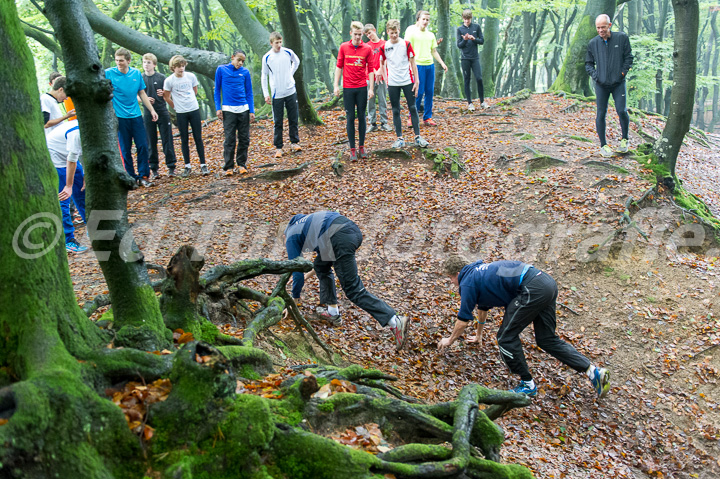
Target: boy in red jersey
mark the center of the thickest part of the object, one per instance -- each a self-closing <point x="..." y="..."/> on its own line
<point x="355" y="64"/>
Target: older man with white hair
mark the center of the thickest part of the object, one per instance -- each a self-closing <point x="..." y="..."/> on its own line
<point x="608" y="60"/>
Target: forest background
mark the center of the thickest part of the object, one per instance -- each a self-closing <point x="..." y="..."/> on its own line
<point x="526" y="42"/>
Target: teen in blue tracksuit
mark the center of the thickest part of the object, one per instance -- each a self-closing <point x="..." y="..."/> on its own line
<point x="528" y="296"/>
<point x="236" y="109"/>
<point x="335" y="239"/>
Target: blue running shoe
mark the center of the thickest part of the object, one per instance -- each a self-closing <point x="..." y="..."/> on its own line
<point x="73" y="246"/>
<point x="523" y="388"/>
<point x="601" y="382"/>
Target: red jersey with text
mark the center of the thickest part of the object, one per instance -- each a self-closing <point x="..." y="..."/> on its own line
<point x="356" y="62"/>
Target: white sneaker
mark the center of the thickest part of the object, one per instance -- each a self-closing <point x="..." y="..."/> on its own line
<point x="471" y="107"/>
<point x="484" y="105"/>
<point x="421" y="142"/>
<point x="399" y="143"/>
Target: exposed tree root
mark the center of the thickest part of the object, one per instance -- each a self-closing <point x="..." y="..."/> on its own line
<point x="278" y="175"/>
<point x="330" y="105"/>
<point x="540" y="161"/>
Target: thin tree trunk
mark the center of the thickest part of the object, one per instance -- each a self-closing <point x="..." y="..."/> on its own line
<point x="293" y="40"/>
<point x="491" y="33"/>
<point x="633" y="14"/>
<point x="117" y="14"/>
<point x="716" y="87"/>
<point x="684" y="68"/>
<point x="659" y="74"/>
<point x="135" y="308"/>
<point x="370" y="11"/>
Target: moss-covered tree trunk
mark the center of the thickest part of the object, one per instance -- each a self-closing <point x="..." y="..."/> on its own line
<point x="573" y="78"/>
<point x="668" y="145"/>
<point x="293" y="40"/>
<point x="55" y="422"/>
<point x="491" y="33"/>
<point x="135" y="308"/>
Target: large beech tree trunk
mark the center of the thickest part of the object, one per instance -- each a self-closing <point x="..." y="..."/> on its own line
<point x="687" y="21"/>
<point x="56" y="423"/>
<point x="135" y="308"/>
<point x="292" y="38"/>
<point x="573" y="78"/>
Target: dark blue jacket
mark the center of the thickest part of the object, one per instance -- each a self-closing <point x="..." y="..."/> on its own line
<point x="468" y="48"/>
<point x="608" y="63"/>
<point x="311" y="233"/>
<point x="488" y="285"/>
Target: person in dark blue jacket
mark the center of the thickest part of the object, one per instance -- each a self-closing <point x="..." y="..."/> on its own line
<point x="469" y="36"/>
<point x="528" y="296"/>
<point x="335" y="239"/>
<point x="608" y="61"/>
<point x="236" y="109"/>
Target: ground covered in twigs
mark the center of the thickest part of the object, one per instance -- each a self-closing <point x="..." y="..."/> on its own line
<point x="534" y="188"/>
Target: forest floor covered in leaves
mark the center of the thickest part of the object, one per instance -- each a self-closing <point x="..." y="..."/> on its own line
<point x="646" y="309"/>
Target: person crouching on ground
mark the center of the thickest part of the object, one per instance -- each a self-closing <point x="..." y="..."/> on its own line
<point x="528" y="296"/>
<point x="335" y="239"/>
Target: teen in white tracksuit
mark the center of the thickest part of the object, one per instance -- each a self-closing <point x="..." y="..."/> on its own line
<point x="280" y="64"/>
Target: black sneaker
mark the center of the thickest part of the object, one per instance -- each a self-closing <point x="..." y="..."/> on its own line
<point x="186" y="171"/>
<point x="171" y="171"/>
<point x="204" y="170"/>
<point x="154" y="175"/>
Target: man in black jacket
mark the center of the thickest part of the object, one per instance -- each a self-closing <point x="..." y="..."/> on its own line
<point x="608" y="60"/>
<point x="469" y="36"/>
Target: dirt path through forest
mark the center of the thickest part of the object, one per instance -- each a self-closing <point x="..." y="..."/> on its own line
<point x="647" y="309"/>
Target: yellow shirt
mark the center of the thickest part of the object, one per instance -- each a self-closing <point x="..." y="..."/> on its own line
<point x="423" y="44"/>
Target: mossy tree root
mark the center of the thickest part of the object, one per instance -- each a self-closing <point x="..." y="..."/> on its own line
<point x="470" y="427"/>
<point x="301" y="323"/>
<point x="246" y="269"/>
<point x="58" y="424"/>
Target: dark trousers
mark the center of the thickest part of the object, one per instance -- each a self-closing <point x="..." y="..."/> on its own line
<point x="535" y="304"/>
<point x="191" y="118"/>
<point x="355" y="97"/>
<point x="130" y="129"/>
<point x="165" y="126"/>
<point x="602" y="96"/>
<point x="472" y="67"/>
<point x="426" y="77"/>
<point x="407" y="90"/>
<point x="78" y="197"/>
<point x="237" y="131"/>
<point x="278" y="105"/>
<point x="345" y="242"/>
